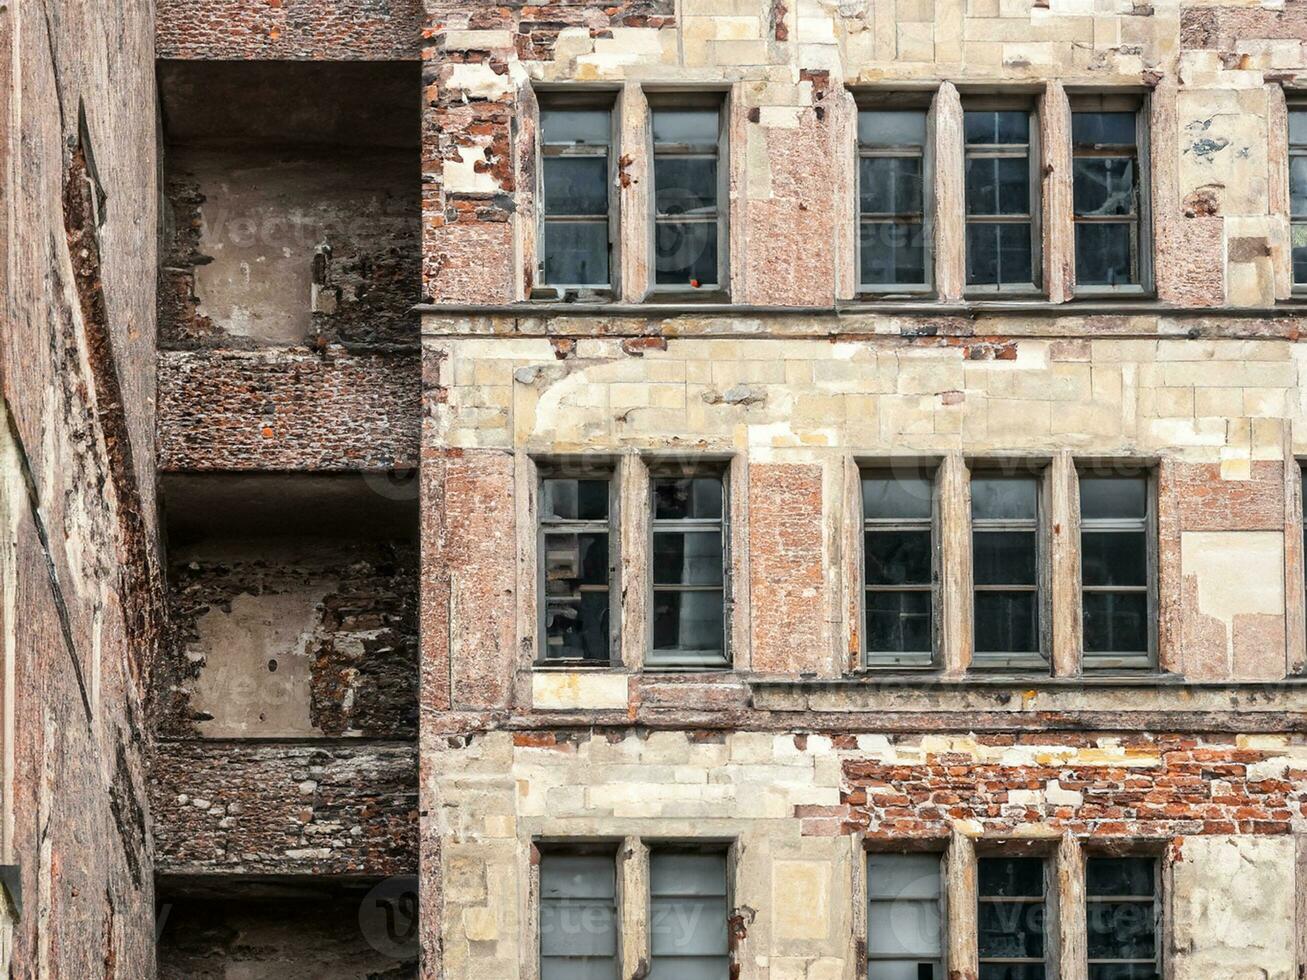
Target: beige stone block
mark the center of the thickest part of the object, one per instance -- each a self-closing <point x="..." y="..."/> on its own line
<point x="801" y="893"/>
<point x="480" y="925"/>
<point x="572" y="690"/>
<point x="916" y="41"/>
<point x="1218" y="402"/>
<point x="1173" y="402"/>
<point x="727" y="53"/>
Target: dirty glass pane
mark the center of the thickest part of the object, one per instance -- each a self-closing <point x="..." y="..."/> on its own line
<point x="578" y="917"/>
<point x="904" y="927"/>
<point x="1010" y="877"/>
<point x="1123" y="971"/>
<point x="1011" y="929"/>
<point x="684" y="498"/>
<point x="688" y="621"/>
<point x="1114" y="557"/>
<point x="1104" y="185"/>
<point x="892" y="127"/>
<point x="897" y="497"/>
<point x="898" y="557"/>
<point x="1004" y="498"/>
<point x="1116" y="622"/>
<point x="903" y="876"/>
<point x="576" y="596"/>
<point x="1106" y="877"/>
<point x="1121" y="918"/>
<point x="1298" y="185"/>
<point x="998" y="185"/>
<point x="1103" y="128"/>
<point x="890" y="185"/>
<point x="1004" y="558"/>
<point x="1299" y="240"/>
<point x="576" y="185"/>
<point x="999" y="254"/>
<point x="1121" y="930"/>
<point x="576" y="253"/>
<point x="892" y="253"/>
<point x="687" y="916"/>
<point x="1006" y="622"/>
<point x="687" y="557"/>
<point x="681" y="126"/>
<point x="899" y="622"/>
<point x="571" y="126"/>
<point x="985" y="127"/>
<point x="566" y="499"/>
<point x="1103" y="255"/>
<point x="1113" y="497"/>
<point x="1012" y="971"/>
<point x="1298" y="127"/>
<point x="1012" y="916"/>
<point x="685" y="185"/>
<point x="686" y="253"/>
<point x="909" y="969"/>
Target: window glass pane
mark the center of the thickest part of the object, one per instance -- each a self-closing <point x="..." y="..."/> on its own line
<point x="1010" y="877"/>
<point x="576" y="125"/>
<point x="1113" y="497"/>
<point x="577" y="628"/>
<point x="585" y="500"/>
<point x="1121" y="930"/>
<point x="892" y="127"/>
<point x="1298" y="127"/>
<point x="903" y="876"/>
<point x="1004" y="558"/>
<point x="904" y="926"/>
<point x="683" y="968"/>
<point x="1004" y="498"/>
<point x="897" y="497"/>
<point x="1104" y="185"/>
<point x="1103" y="128"/>
<point x="684" y="498"/>
<point x="1120" y="876"/>
<point x="688" y="926"/>
<point x="914" y="969"/>
<point x="1116" y="622"/>
<point x="1006" y="622"/>
<point x="998" y="185"/>
<point x="576" y="594"/>
<point x="578" y="917"/>
<point x="687" y="920"/>
<point x="988" y="127"/>
<point x="890" y="185"/>
<point x="999" y="254"/>
<point x="576" y="185"/>
<point x="676" y="873"/>
<point x="685" y="185"/>
<point x="686" y="253"/>
<point x="1011" y="929"/>
<point x="1103" y="255"/>
<point x="685" y="126"/>
<point x="1114" y="557"/>
<point x="1298" y="184"/>
<point x="688" y="621"/>
<point x="572" y="560"/>
<point x="1123" y="971"/>
<point x="576" y="252"/>
<point x="1298" y="238"/>
<point x="687" y="558"/>
<point x="892" y="253"/>
<point x="899" y="622"/>
<point x="1011" y="971"/>
<point x="898" y="557"/>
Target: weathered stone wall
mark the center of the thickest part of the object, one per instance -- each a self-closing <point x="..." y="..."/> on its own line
<point x="287" y="409"/>
<point x="81" y="610"/>
<point x="331" y="808"/>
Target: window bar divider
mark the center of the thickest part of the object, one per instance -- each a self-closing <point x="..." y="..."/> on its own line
<point x="1068" y="898"/>
<point x="961" y="886"/>
<point x="950" y="208"/>
<point x="956" y="599"/>
<point x="633" y="575"/>
<point x="1057" y="197"/>
<point x="634" y="947"/>
<point x="1295" y="588"/>
<point x="1064" y="553"/>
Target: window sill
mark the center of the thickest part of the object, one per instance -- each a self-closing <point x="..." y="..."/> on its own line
<point x="577" y="295"/>
<point x="687" y="296"/>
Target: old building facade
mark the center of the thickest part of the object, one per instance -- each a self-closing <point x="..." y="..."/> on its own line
<point x="656" y="490"/>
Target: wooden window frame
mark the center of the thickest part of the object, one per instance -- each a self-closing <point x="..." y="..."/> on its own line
<point x="1297" y="103"/>
<point x="1141" y="221"/>
<point x="919" y="660"/>
<point x="574" y="98"/>
<point x="676" y="659"/>
<point x="584" y="470"/>
<point x="720" y="101"/>
<point x="898" y="101"/>
<point x="1034" y="156"/>
<point x="1124" y="661"/>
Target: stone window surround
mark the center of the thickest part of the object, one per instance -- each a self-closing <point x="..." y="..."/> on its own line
<point x="631" y="547"/>
<point x="1060" y="591"/>
<point x="631" y="855"/>
<point x="1066" y="937"/>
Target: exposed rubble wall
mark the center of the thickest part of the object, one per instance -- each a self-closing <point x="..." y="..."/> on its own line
<point x="82" y="618"/>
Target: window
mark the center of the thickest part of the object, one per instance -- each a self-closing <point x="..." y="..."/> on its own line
<point x="688" y="912"/>
<point x="576" y="232"/>
<point x="1005" y="556"/>
<point x="893" y="199"/>
<point x="899" y="567"/>
<point x="578" y="916"/>
<point x="1123" y="912"/>
<point x="1298" y="192"/>
<point x="689" y="570"/>
<point x="576" y="568"/>
<point x="904" y="938"/>
<point x="1011" y="919"/>
<point x="1111" y="239"/>
<point x="1002" y="181"/>
<point x="689" y="180"/>
<point x="1116" y="570"/>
